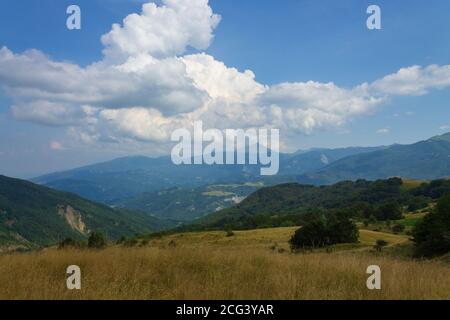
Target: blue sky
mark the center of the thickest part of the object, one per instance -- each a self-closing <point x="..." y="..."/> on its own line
<point x="279" y="41"/>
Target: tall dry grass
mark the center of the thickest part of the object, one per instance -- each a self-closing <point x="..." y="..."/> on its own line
<point x="210" y="273"/>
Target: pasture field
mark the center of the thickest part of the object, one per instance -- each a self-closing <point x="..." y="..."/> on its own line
<point x="253" y="264"/>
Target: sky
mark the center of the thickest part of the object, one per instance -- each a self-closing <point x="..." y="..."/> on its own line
<point x="310" y="68"/>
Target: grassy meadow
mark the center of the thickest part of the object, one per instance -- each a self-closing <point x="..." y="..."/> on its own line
<point x="253" y="264"/>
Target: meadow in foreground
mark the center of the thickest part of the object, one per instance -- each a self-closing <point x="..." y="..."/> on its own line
<point x="249" y="265"/>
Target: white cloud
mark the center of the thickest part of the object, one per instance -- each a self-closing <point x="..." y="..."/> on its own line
<point x="414" y="80"/>
<point x="56" y="146"/>
<point x="139" y="123"/>
<point x="140" y="81"/>
<point x="383" y="131"/>
<point x="444" y="127"/>
<point x="162" y="31"/>
<point x="145" y="86"/>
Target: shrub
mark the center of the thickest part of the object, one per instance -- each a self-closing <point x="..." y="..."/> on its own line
<point x="121" y="240"/>
<point x="372" y="219"/>
<point x="97" y="240"/>
<point x="130" y="242"/>
<point x="380" y="244"/>
<point x="398" y="228"/>
<point x="69" y="243"/>
<point x="228" y="231"/>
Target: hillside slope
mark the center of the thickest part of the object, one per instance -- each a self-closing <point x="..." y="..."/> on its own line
<point x="33" y="215"/>
<point x="429" y="159"/>
<point x="273" y="205"/>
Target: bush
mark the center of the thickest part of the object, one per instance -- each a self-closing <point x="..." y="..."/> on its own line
<point x="372" y="219"/>
<point x="228" y="231"/>
<point x="69" y="243"/>
<point x="432" y="235"/>
<point x="323" y="232"/>
<point x="97" y="240"/>
<point x="380" y="244"/>
<point x="398" y="228"/>
<point x="121" y="240"/>
<point x="130" y="242"/>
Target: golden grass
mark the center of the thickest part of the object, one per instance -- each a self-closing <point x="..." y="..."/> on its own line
<point x="369" y="237"/>
<point x="211" y="266"/>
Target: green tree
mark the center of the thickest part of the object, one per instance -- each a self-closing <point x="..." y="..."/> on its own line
<point x="97" y="240"/>
<point x="312" y="234"/>
<point x="432" y="235"/>
<point x="389" y="211"/>
<point x="322" y="232"/>
<point x="342" y="230"/>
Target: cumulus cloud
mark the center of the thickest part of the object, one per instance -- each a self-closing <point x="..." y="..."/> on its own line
<point x="162" y="31"/>
<point x="140" y="81"/>
<point x="383" y="131"/>
<point x="414" y="80"/>
<point x="146" y="85"/>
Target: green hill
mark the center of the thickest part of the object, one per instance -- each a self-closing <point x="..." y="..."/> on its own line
<point x="429" y="159"/>
<point x="288" y="204"/>
<point x="33" y="216"/>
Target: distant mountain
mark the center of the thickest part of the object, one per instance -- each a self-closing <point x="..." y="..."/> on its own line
<point x="158" y="187"/>
<point x="429" y="159"/>
<point x="32" y="215"/>
<point x="315" y="159"/>
<point x="113" y="181"/>
<point x="121" y="179"/>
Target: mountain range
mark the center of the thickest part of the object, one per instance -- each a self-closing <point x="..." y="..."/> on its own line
<point x="426" y="160"/>
<point x="136" y="195"/>
<point x="187" y="192"/>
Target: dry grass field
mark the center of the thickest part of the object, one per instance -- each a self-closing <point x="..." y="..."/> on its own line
<point x="209" y="265"/>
